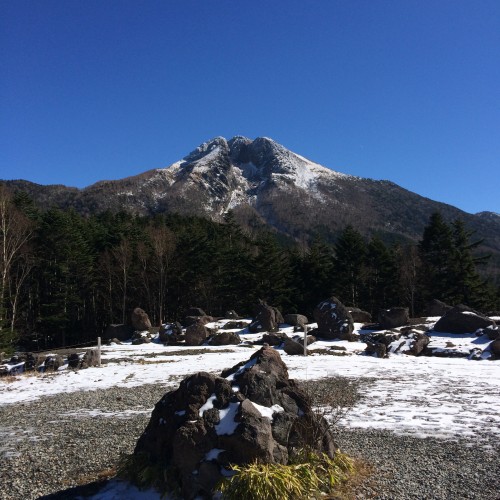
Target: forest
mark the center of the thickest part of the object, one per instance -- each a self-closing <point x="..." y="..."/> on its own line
<point x="65" y="277"/>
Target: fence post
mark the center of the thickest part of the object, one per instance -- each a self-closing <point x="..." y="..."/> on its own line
<point x="99" y="352"/>
<point x="305" y="340"/>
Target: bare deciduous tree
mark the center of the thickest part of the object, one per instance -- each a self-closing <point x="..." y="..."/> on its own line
<point x="163" y="243"/>
<point x="15" y="231"/>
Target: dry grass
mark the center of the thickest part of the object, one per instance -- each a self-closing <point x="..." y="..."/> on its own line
<point x="157" y="362"/>
<point x="92" y="477"/>
<point x="363" y="479"/>
<point x="8" y="379"/>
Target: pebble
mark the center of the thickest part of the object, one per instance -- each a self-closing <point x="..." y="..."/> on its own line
<point x="44" y="449"/>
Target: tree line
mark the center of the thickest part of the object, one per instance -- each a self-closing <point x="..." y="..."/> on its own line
<point x="65" y="277"/>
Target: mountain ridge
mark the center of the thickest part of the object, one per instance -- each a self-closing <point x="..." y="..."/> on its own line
<point x="264" y="183"/>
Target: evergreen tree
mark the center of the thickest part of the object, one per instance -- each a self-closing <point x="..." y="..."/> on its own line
<point x="272" y="273"/>
<point x="380" y="280"/>
<point x="436" y="253"/>
<point x="316" y="275"/>
<point x="467" y="286"/>
<point x="350" y="259"/>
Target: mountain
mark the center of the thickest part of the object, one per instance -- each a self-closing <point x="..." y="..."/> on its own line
<point x="264" y="183"/>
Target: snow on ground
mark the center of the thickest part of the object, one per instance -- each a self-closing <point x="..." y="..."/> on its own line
<point x="421" y="396"/>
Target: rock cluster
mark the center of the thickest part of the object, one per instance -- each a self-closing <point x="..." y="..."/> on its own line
<point x="462" y="319"/>
<point x="334" y="320"/>
<point x="250" y="412"/>
<point x="267" y="318"/>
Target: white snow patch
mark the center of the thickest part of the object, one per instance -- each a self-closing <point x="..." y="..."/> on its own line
<point x="242" y="369"/>
<point x="227" y="425"/>
<point x="213" y="454"/>
<point x="266" y="411"/>
<point x="208" y="405"/>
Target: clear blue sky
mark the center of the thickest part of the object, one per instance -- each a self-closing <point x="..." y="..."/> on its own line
<point x="405" y="90"/>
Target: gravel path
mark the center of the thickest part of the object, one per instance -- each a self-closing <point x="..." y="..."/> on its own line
<point x="65" y="440"/>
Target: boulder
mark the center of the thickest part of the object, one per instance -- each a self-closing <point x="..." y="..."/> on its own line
<point x="119" y="331"/>
<point x="334" y="320"/>
<point x="196" y="334"/>
<point x="393" y="317"/>
<point x="251" y="412"/>
<point x="195" y="311"/>
<point x="140" y="320"/>
<point x="33" y="361"/>
<point x="267" y="319"/>
<point x="381" y="338"/>
<point x="74" y="361"/>
<point x="169" y="333"/>
<point x="436" y="308"/>
<point x="90" y="358"/>
<point x="235" y="325"/>
<point x="53" y="362"/>
<point x="377" y="349"/>
<point x="296" y="320"/>
<point x="203" y="319"/>
<point x="495" y="348"/>
<point x="273" y="339"/>
<point x="300" y="339"/>
<point x="141" y="337"/>
<point x="493" y="332"/>
<point x="225" y="338"/>
<point x="293" y="348"/>
<point x="360" y="316"/>
<point x="411" y="343"/>
<point x="462" y="319"/>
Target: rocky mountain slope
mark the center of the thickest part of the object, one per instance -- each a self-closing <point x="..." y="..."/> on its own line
<point x="265" y="183"/>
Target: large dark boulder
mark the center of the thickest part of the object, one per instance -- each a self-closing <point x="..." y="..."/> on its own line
<point x="251" y="412"/>
<point x="296" y="320"/>
<point x="436" y="308"/>
<point x="292" y="348"/>
<point x="393" y="317"/>
<point x="169" y="333"/>
<point x="462" y="319"/>
<point x="196" y="334"/>
<point x="360" y="316"/>
<point x="119" y="331"/>
<point x="191" y="320"/>
<point x="140" y="320"/>
<point x="267" y="319"/>
<point x="225" y="338"/>
<point x="195" y="311"/>
<point x="334" y="320"/>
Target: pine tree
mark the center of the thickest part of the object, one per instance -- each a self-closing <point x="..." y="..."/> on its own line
<point x="350" y="259"/>
<point x="379" y="291"/>
<point x="436" y="253"/>
<point x="272" y="273"/>
<point x="467" y="286"/>
<point x="316" y="275"/>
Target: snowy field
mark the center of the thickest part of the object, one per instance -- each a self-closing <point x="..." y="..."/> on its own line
<point x="420" y="396"/>
<point x="443" y="398"/>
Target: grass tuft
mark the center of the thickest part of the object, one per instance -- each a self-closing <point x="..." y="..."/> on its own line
<point x="310" y="475"/>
